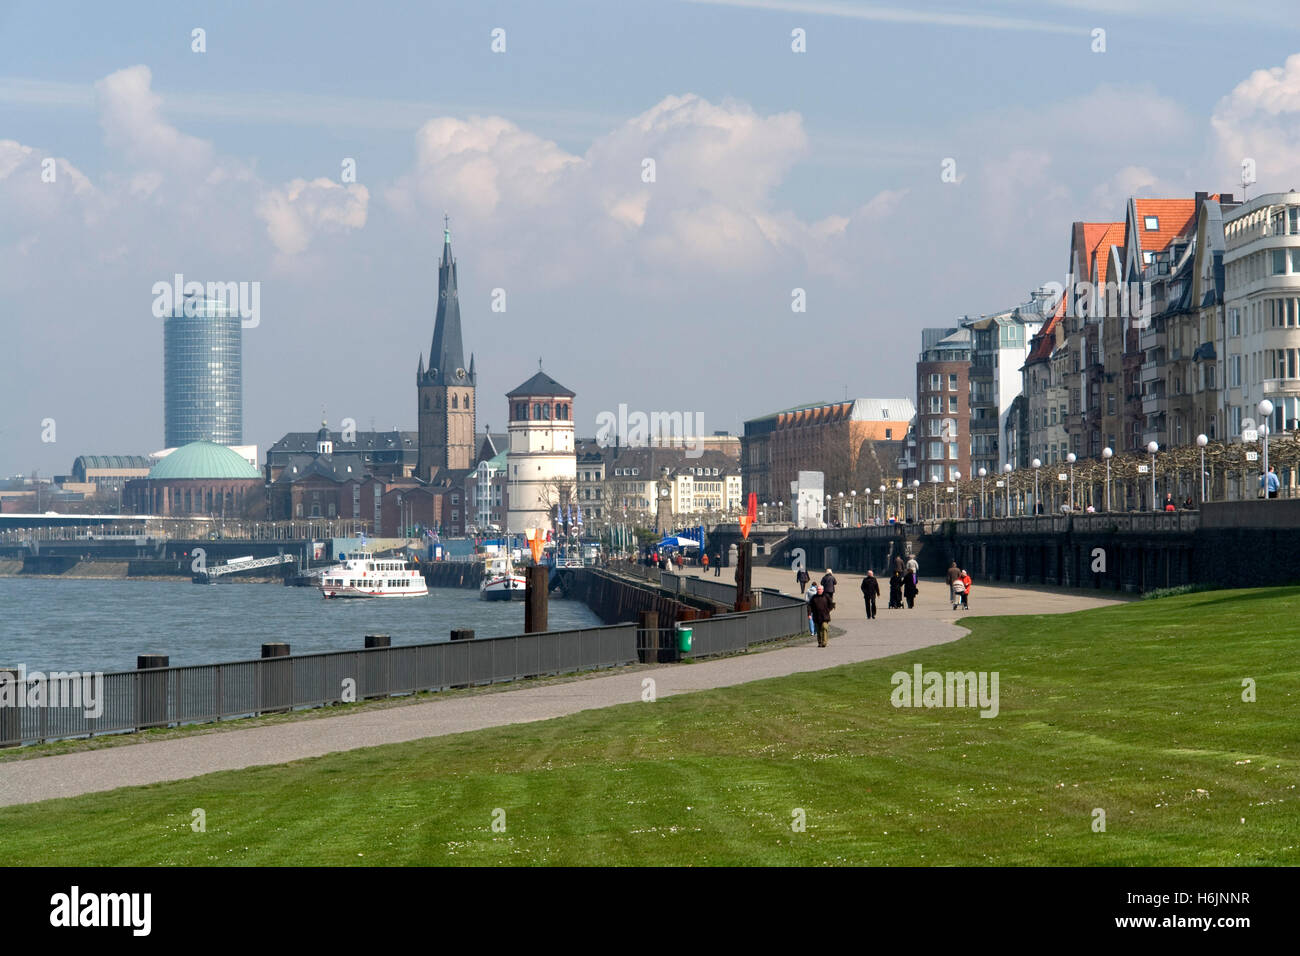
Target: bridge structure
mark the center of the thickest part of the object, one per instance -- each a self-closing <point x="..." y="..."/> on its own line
<point x="216" y="572"/>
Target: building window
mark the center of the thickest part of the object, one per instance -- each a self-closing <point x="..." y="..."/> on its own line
<point x="1151" y="223"/>
<point x="952" y="451"/>
<point x="1279" y="262"/>
<point x="952" y="404"/>
<point x="936" y="381"/>
<point x="936" y="405"/>
<point x="1148" y="257"/>
<point x="952" y="383"/>
<point x="454" y="402"/>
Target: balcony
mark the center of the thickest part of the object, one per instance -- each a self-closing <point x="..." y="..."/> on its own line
<point x="1282" y="387"/>
<point x="1152" y="337"/>
<point x="1153" y="404"/>
<point x="1150" y="372"/>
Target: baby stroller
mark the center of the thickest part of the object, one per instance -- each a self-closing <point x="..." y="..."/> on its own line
<point x="958" y="593"/>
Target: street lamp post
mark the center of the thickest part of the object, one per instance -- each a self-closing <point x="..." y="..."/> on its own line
<point x="1265" y="409"/>
<point x="1071" y="458"/>
<point x="916" y="498"/>
<point x="898" y="508"/>
<point x="1106" y="453"/>
<point x="1036" y="463"/>
<point x="883" y="506"/>
<point x="1201" y="442"/>
<point x="1006" y="470"/>
<point x="1152" y="448"/>
<point x="956" y="495"/>
<point x="934" y="483"/>
<point x="854" y="496"/>
<point x="983" y="473"/>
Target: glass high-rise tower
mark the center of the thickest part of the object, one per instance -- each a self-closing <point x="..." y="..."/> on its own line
<point x="202" y="374"/>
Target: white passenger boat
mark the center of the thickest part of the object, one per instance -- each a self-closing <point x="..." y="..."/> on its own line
<point x="364" y="576"/>
<point x="501" y="582"/>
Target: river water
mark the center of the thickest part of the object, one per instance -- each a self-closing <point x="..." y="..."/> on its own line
<point x="86" y="625"/>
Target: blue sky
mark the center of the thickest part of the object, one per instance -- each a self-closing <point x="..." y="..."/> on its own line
<point x="775" y="171"/>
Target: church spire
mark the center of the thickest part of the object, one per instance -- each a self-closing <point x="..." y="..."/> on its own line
<point x="447" y="357"/>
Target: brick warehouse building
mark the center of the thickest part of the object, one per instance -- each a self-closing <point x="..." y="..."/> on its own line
<point x="855" y="444"/>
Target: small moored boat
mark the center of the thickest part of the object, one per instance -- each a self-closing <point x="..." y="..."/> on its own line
<point x="501" y="582"/>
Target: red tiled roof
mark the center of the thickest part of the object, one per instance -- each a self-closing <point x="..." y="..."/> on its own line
<point x="1113" y="235"/>
<point x="1175" y="217"/>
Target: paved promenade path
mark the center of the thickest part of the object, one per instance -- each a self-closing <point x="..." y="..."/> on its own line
<point x="893" y="632"/>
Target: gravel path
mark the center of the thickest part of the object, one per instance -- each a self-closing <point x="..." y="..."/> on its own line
<point x="893" y="632"/>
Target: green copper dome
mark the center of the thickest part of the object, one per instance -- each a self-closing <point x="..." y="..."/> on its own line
<point x="203" y="459"/>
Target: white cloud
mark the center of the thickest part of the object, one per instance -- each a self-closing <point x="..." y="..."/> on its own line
<point x="300" y="208"/>
<point x="131" y="116"/>
<point x="1260" y="120"/>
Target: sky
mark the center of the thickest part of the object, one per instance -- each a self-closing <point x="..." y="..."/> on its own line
<point x="530" y="125"/>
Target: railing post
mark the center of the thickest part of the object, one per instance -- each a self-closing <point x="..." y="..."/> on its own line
<point x="10" y="711"/>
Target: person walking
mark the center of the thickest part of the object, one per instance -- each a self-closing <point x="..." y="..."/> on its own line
<point x="896" y="589"/>
<point x="898" y="563"/>
<point x="828" y="584"/>
<point x="870" y="591"/>
<point x="965" y="591"/>
<point x="1270" y="481"/>
<point x="954" y="575"/>
<point x="821" y="615"/>
<point x="910" y="589"/>
<point x="912" y="566"/>
<point x="717" y="565"/>
<point x="801" y="578"/>
<point x="704" y="563"/>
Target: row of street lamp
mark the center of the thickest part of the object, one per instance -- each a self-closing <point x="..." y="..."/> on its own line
<point x="1265" y="409"/>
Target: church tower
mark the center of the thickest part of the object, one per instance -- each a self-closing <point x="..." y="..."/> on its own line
<point x="447" y="405"/>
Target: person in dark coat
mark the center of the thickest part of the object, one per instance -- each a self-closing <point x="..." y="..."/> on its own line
<point x="802" y="579"/>
<point x="870" y="591"/>
<point x="898" y="563"/>
<point x="896" y="589"/>
<point x="828" y="582"/>
<point x="821" y="615"/>
<point x="910" y="589"/>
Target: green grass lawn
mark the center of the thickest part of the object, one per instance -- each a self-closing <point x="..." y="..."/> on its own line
<point x="1135" y="709"/>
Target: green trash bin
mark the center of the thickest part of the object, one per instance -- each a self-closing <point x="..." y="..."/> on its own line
<point x="684" y="635"/>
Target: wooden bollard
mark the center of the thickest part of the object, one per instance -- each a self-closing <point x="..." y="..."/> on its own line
<point x="276" y="679"/>
<point x="151" y="691"/>
<point x="535" y="598"/>
<point x="648" y="644"/>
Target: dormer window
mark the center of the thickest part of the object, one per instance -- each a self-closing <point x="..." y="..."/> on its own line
<point x="1151" y="223"/>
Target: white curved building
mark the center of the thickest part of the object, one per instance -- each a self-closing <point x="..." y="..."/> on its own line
<point x="541" y="465"/>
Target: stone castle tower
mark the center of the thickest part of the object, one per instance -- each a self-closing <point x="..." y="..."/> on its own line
<point x="447" y="403"/>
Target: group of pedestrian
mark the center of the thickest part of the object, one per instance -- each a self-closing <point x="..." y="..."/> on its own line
<point x="903" y="582"/>
<point x="958" y="587"/>
<point x="904" y="586"/>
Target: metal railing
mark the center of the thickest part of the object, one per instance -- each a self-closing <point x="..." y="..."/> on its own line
<point x="36" y="709"/>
